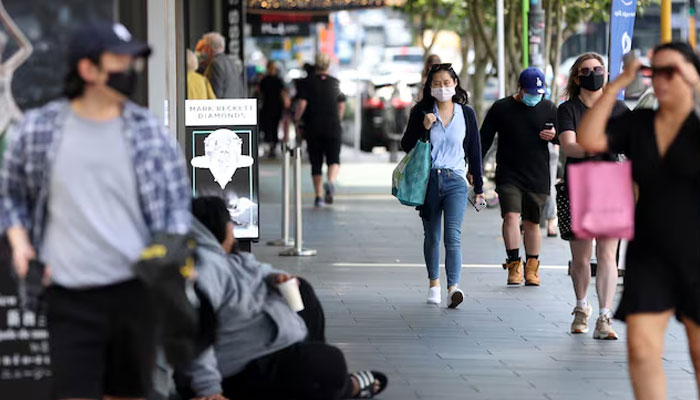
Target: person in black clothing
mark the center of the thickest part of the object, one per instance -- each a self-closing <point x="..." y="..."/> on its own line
<point x="585" y="87"/>
<point x="322" y="104"/>
<point x="525" y="125"/>
<point x="662" y="265"/>
<point x="444" y="117"/>
<point x="274" y="97"/>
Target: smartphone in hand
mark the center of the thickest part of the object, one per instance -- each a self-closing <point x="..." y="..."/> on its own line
<point x="31" y="287"/>
<point x="548" y="126"/>
<point x="478" y="205"/>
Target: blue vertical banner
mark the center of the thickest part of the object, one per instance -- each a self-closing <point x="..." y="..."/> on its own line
<point x="622" y="17"/>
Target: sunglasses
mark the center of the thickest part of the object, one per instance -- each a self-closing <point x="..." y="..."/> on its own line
<point x="438" y="67"/>
<point x="665" y="72"/>
<point x="585" y="71"/>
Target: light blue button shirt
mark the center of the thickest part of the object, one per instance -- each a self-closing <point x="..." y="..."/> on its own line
<point x="448" y="147"/>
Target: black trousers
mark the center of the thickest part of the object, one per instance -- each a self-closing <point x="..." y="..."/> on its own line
<point x="310" y="370"/>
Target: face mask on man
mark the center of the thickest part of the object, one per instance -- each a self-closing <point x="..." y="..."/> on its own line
<point x="592" y="81"/>
<point x="531" y="100"/>
<point x="443" y="94"/>
<point x="123" y="82"/>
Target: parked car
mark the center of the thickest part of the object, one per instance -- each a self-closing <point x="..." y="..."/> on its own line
<point x="385" y="110"/>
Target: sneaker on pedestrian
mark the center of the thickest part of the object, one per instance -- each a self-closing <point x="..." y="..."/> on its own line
<point x="330" y="191"/>
<point x="603" y="329"/>
<point x="515" y="272"/>
<point x="318" y="203"/>
<point x="434" y="295"/>
<point x="456" y="297"/>
<point x="581" y="316"/>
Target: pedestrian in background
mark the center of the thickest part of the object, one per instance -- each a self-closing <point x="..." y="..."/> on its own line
<point x="225" y="76"/>
<point x="550" y="208"/>
<point x="585" y="86"/>
<point x="431" y="60"/>
<point x="87" y="181"/>
<point x="198" y="86"/>
<point x="322" y="104"/>
<point x="274" y="101"/>
<point x="445" y="118"/>
<point x="525" y="126"/>
<point x="662" y="276"/>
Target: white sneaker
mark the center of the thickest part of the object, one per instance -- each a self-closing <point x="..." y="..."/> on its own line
<point x="434" y="295"/>
<point x="603" y="329"/>
<point x="456" y="297"/>
<point x="581" y="316"/>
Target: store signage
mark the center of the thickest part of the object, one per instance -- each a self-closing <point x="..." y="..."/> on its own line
<point x="622" y="18"/>
<point x="284" y="25"/>
<point x="222" y="156"/>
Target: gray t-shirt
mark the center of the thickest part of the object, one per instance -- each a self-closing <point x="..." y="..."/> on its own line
<point x="95" y="227"/>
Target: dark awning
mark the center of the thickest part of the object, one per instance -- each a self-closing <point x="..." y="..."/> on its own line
<point x="318" y="5"/>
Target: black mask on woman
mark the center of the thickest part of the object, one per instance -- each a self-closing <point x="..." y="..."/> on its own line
<point x="592" y="82"/>
<point x="123" y="82"/>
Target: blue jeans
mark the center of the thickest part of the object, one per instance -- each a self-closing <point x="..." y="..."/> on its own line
<point x="447" y="192"/>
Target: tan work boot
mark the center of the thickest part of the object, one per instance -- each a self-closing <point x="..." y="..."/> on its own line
<point x="515" y="272"/>
<point x="532" y="277"/>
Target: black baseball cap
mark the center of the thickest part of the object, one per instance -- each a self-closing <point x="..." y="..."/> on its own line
<point x="97" y="37"/>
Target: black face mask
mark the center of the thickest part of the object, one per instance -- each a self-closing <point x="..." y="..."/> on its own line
<point x="592" y="82"/>
<point x="123" y="82"/>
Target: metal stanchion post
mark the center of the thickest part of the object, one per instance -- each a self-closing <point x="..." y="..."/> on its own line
<point x="298" y="250"/>
<point x="284" y="241"/>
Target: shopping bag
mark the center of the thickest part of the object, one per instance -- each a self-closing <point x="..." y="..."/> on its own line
<point x="410" y="178"/>
<point x="602" y="200"/>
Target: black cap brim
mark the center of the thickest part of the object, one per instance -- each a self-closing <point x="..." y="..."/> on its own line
<point x="135" y="48"/>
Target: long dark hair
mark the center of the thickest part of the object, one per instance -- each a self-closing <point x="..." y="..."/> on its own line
<point x="428" y="101"/>
<point x="684" y="49"/>
<point x="573" y="86"/>
<point x="213" y="213"/>
<point x="73" y="84"/>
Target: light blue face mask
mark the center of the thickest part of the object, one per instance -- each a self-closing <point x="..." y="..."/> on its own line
<point x="531" y="100"/>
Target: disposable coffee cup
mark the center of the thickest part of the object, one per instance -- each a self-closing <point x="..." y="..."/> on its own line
<point x="290" y="292"/>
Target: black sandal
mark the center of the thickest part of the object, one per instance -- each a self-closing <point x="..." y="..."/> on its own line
<point x="366" y="380"/>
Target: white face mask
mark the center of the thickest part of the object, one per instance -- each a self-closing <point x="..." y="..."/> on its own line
<point x="443" y="94"/>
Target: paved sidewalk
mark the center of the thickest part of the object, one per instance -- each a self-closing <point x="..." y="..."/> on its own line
<point x="501" y="343"/>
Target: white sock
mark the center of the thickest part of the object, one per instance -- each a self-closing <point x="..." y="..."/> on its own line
<point x="605" y="311"/>
<point x="582" y="303"/>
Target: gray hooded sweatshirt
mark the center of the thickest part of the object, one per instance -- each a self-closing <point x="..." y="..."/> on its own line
<point x="253" y="319"/>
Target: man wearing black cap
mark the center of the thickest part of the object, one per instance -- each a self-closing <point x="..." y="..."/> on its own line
<point x="87" y="181"/>
<point x="525" y="124"/>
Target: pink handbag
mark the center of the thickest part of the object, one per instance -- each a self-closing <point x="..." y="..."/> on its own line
<point x="602" y="200"/>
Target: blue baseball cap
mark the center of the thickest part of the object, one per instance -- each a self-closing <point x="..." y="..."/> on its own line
<point x="532" y="80"/>
<point x="97" y="37"/>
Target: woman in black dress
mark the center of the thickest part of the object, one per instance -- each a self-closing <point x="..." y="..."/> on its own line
<point x="663" y="261"/>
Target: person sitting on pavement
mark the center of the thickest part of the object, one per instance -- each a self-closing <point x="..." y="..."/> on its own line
<point x="264" y="350"/>
<point x="525" y="126"/>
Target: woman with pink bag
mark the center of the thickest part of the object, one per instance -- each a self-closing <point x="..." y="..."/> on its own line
<point x="663" y="261"/>
<point x="585" y="86"/>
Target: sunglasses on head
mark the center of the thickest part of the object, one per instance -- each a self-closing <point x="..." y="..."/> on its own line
<point x="585" y="71"/>
<point x="438" y="67"/>
<point x="666" y="72"/>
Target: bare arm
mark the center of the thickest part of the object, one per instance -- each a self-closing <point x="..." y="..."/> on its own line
<point x="25" y="47"/>
<point x="591" y="131"/>
<point x="341" y="109"/>
<point x="301" y="107"/>
<point x="567" y="139"/>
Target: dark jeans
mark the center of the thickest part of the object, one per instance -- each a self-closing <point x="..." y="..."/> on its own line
<point x="307" y="370"/>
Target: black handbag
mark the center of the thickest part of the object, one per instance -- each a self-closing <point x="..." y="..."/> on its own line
<point x="563" y="212"/>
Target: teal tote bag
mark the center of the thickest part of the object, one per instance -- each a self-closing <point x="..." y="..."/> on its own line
<point x="410" y="178"/>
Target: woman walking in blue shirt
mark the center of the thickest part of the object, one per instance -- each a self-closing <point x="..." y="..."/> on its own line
<point x="444" y="115"/>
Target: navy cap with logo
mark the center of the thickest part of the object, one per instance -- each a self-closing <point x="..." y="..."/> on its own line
<point x="532" y="80"/>
<point x="95" y="38"/>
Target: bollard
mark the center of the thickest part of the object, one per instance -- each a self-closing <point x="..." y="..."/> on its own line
<point x="284" y="241"/>
<point x="297" y="250"/>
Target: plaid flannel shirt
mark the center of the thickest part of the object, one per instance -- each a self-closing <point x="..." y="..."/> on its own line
<point x="161" y="175"/>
